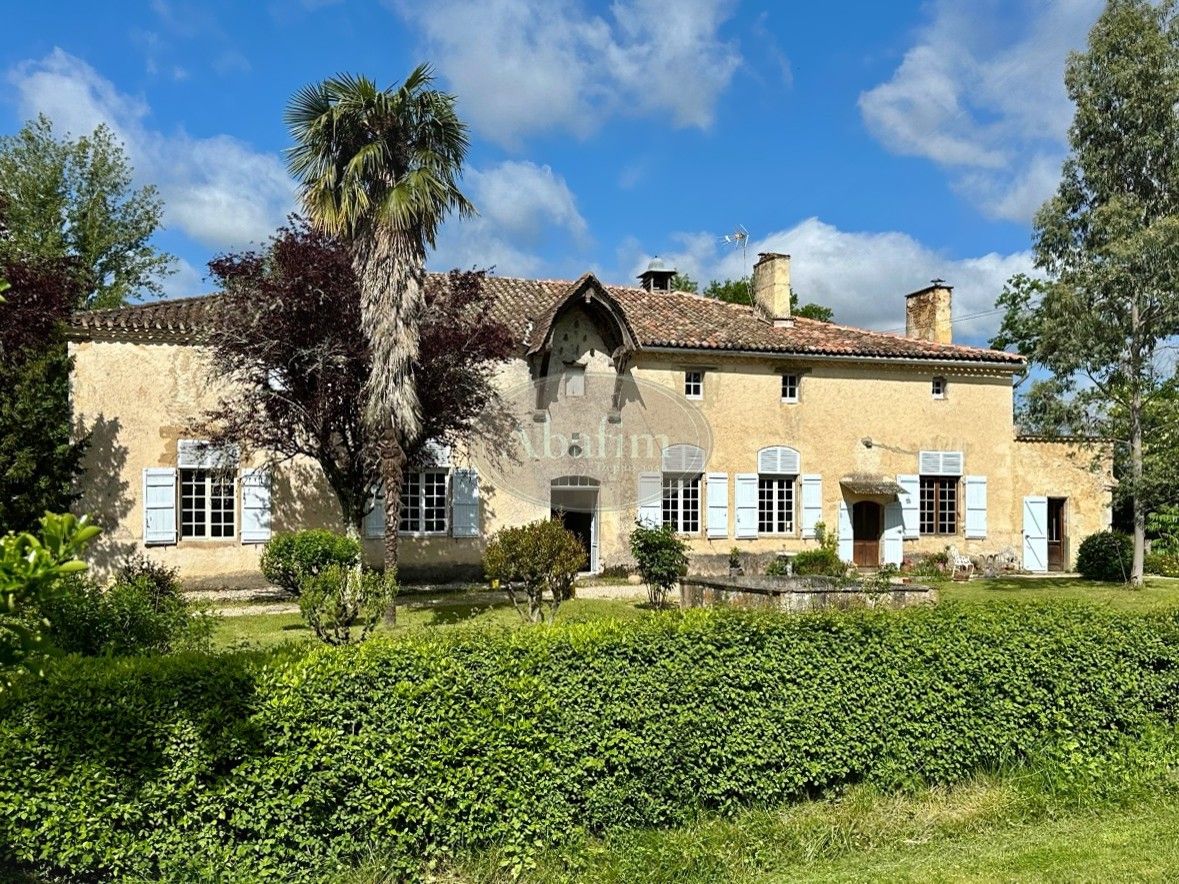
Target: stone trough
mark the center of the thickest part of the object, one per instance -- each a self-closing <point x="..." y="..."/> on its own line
<point x="799" y="594"/>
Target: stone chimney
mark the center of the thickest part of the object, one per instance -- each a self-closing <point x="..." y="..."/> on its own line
<point x="771" y="287"/>
<point x="927" y="313"/>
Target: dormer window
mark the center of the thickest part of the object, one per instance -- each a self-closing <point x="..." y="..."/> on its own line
<point x="939" y="388"/>
<point x="694" y="384"/>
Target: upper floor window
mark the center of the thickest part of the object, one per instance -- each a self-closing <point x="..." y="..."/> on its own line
<point x="939" y="388"/>
<point x="694" y="384"/>
<point x="789" y="388"/>
<point x="423" y="502"/>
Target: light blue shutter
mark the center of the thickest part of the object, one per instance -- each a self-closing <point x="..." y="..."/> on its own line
<point x="374" y="519"/>
<point x="911" y="504"/>
<point x="718" y="505"/>
<point x="812" y="504"/>
<point x="159" y="505"/>
<point x="255" y="506"/>
<point x="745" y="492"/>
<point x="894" y="533"/>
<point x="1035" y="534"/>
<point x="464" y="506"/>
<point x="651" y="499"/>
<point x="845" y="531"/>
<point x="976" y="506"/>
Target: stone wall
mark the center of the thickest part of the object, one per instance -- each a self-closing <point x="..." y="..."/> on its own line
<point x="798" y="594"/>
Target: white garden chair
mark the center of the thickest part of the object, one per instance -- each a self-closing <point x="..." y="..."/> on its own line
<point x="959" y="562"/>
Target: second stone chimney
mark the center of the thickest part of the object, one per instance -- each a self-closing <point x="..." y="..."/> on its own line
<point x="927" y="313"/>
<point x="771" y="287"/>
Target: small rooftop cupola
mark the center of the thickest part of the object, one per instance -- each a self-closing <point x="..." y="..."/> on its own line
<point x="657" y="277"/>
<point x="771" y="287"/>
<point x="927" y="313"/>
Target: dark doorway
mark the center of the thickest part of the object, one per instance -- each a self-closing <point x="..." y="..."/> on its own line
<point x="867" y="522"/>
<point x="1057" y="538"/>
<point x="580" y="524"/>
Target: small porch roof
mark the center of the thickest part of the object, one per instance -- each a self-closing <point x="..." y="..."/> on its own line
<point x="871" y="485"/>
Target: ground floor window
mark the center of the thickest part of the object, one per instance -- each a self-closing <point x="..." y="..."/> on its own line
<point x="423" y="502"/>
<point x="206" y="503"/>
<point x="939" y="505"/>
<point x="775" y="505"/>
<point x="681" y="503"/>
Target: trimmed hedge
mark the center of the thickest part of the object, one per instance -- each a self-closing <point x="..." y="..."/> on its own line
<point x="288" y="765"/>
<point x="1107" y="556"/>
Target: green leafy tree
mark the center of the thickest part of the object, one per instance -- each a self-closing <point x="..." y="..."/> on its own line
<point x="661" y="557"/>
<point x="74" y="199"/>
<point x="31" y="567"/>
<point x="379" y="168"/>
<point x="681" y="282"/>
<point x="537" y="558"/>
<point x="1108" y="241"/>
<point x="738" y="291"/>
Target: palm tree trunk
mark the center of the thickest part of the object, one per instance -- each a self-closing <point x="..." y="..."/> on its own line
<point x="390" y="271"/>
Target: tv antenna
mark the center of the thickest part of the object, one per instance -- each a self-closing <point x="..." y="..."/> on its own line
<point x="739" y="238"/>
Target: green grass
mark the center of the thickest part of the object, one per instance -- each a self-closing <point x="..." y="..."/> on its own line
<point x="997" y="828"/>
<point x="1160" y="593"/>
<point x="270" y="629"/>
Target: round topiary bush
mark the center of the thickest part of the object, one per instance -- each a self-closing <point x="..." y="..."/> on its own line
<point x="1107" y="555"/>
<point x="289" y="559"/>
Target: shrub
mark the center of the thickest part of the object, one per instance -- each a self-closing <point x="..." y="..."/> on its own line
<point x="288" y="559"/>
<point x="293" y="763"/>
<point x="1162" y="564"/>
<point x="164" y="581"/>
<point x="928" y="565"/>
<point x="132" y="616"/>
<point x="615" y="572"/>
<point x="823" y="561"/>
<point x="779" y="567"/>
<point x="662" y="559"/>
<point x="1107" y="555"/>
<point x="539" y="557"/>
<point x="343" y="598"/>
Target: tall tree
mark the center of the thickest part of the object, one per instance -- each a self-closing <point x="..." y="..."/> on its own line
<point x="39" y="458"/>
<point x="379" y="168"/>
<point x="288" y="344"/>
<point x="73" y="199"/>
<point x="738" y="291"/>
<point x="1108" y="241"/>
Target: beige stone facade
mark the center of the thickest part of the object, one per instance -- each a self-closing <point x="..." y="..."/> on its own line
<point x="845" y="429"/>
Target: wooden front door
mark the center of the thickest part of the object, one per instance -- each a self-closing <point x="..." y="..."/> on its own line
<point x="867" y="522"/>
<point x="1056" y="534"/>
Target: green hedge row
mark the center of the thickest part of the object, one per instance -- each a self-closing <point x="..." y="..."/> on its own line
<point x="287" y="765"/>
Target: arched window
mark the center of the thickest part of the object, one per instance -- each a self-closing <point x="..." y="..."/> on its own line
<point x="682" y="467"/>
<point x="778" y="467"/>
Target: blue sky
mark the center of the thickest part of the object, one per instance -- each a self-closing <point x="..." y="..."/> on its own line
<point x="881" y="144"/>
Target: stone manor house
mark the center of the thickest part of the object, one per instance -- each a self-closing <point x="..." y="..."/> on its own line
<point x="739" y="425"/>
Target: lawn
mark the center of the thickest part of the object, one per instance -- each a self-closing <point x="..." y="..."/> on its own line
<point x="987" y="830"/>
<point x="1160" y="593"/>
<point x="270" y="629"/>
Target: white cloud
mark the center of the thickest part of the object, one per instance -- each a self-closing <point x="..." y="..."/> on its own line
<point x="525" y="210"/>
<point x="862" y="276"/>
<point x="981" y="93"/>
<point x="521" y="67"/>
<point x="186" y="282"/>
<point x="218" y="190"/>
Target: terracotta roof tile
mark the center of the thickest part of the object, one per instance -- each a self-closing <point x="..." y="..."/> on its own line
<point x="677" y="320"/>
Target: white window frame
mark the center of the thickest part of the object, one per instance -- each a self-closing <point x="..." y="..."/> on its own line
<point x="778" y="485"/>
<point x="938" y="387"/>
<point x="421" y="504"/>
<point x="790" y="387"/>
<point x="210" y="477"/>
<point x="682" y="511"/>
<point x="694" y="383"/>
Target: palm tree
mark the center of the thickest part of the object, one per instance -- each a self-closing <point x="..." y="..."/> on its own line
<point x="379" y="168"/>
